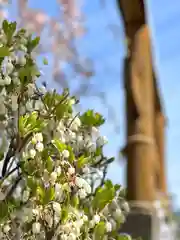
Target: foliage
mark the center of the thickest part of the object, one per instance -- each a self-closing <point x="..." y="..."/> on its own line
<point x="51" y="157"/>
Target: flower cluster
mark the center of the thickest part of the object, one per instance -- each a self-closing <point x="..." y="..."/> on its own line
<point x="51" y="157"/>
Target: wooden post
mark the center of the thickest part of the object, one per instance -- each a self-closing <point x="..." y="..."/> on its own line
<point x="160" y="139"/>
<point x="140" y="105"/>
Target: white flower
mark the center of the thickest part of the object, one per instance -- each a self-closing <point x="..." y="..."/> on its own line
<point x="117" y="214"/>
<point x="72" y="236"/>
<point x="96" y="219"/>
<point x="39" y="137"/>
<point x="57" y="208"/>
<point x="7" y="66"/>
<point x="39" y="147"/>
<point x="65" y="153"/>
<point x="79" y="182"/>
<point x="77" y="121"/>
<point x="113" y="224"/>
<point x="101" y="141"/>
<point x="60" y="126"/>
<point x="21" y="60"/>
<point x="7" y="80"/>
<point x="36" y="227"/>
<point x="91" y="147"/>
<point x="32" y="153"/>
<point x="71" y="171"/>
<point x="87" y="187"/>
<point x="23" y="48"/>
<point x="125" y="206"/>
<point x="64" y="237"/>
<point x="58" y="170"/>
<point x="25" y="196"/>
<point x="94" y="131"/>
<point x="16" y="81"/>
<point x="91" y="224"/>
<point x="82" y="193"/>
<point x="53" y="177"/>
<point x="58" y="191"/>
<point x="6" y="228"/>
<point x="108" y="227"/>
<point x="48" y="219"/>
<point x="36" y="212"/>
<point x="85" y="218"/>
<point x="86" y="170"/>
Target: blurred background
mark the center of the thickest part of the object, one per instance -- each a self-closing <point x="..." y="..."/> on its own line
<point x="87" y="56"/>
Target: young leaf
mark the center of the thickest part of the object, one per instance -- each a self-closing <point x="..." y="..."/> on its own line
<point x="4" y="51"/>
<point x="99" y="231"/>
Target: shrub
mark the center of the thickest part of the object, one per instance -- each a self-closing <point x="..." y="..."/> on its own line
<point x="51" y="157"/>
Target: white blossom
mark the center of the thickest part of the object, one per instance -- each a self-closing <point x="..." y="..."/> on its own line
<point x="117" y="214"/>
<point x="16" y="81"/>
<point x="21" y="60"/>
<point x="32" y="153"/>
<point x="71" y="171"/>
<point x="7" y="80"/>
<point x="57" y="208"/>
<point x="65" y="153"/>
<point x="25" y="196"/>
<point x="39" y="147"/>
<point x="101" y="141"/>
<point x="108" y="226"/>
<point x="36" y="228"/>
<point x="82" y="193"/>
<point x="38" y="137"/>
<point x="6" y="229"/>
<point x="72" y="236"/>
<point x="96" y="219"/>
<point x="58" y="170"/>
<point x="53" y="177"/>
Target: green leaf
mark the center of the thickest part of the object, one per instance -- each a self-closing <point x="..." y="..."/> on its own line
<point x="59" y="145"/>
<point x="99" y="231"/>
<point x="90" y="118"/>
<point x="64" y="215"/>
<point x="41" y="193"/>
<point x="27" y="73"/>
<point x="75" y="201"/>
<point x="82" y="160"/>
<point x="9" y="29"/>
<point x="32" y="184"/>
<point x="21" y="125"/>
<point x="4" y="51"/>
<point x="5" y="26"/>
<point x="124" y="237"/>
<point x="49" y="164"/>
<point x="48" y="195"/>
<point x="33" y="43"/>
<point x="4" y="210"/>
<point x="60" y="110"/>
<point x="117" y="187"/>
<point x="102" y="197"/>
<point x="108" y="184"/>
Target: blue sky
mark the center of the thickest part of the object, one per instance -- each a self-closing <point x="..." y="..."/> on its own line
<point x="106" y="49"/>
